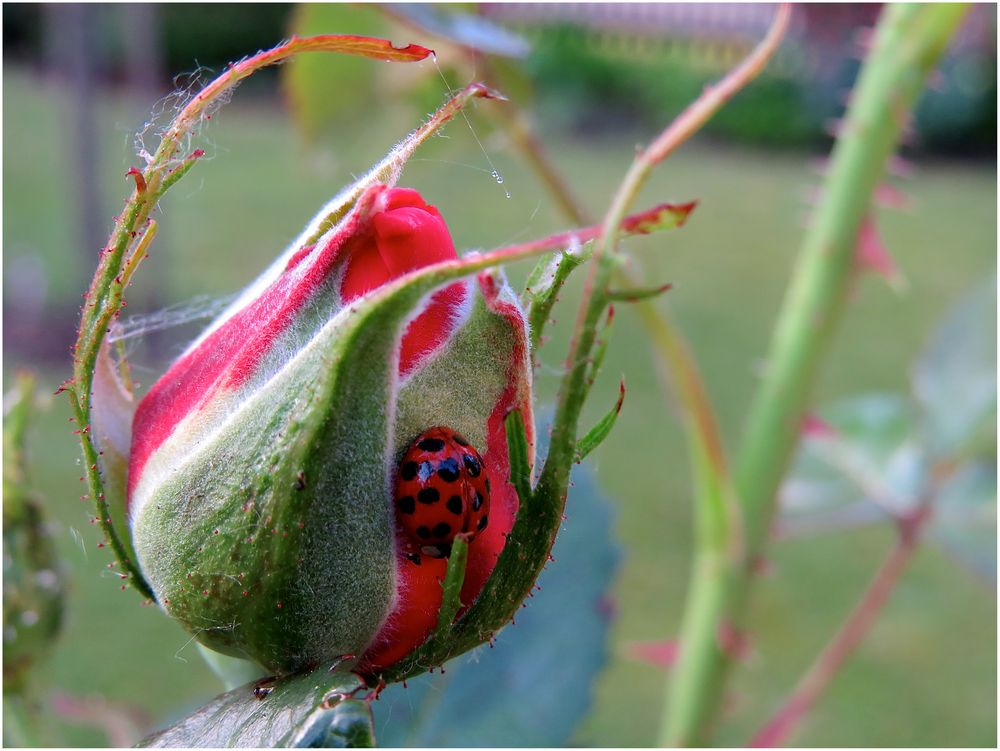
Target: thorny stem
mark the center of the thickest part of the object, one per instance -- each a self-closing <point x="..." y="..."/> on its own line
<point x="855" y="628"/>
<point x="910" y="39"/>
<point x="104" y="300"/>
<point x="665" y="340"/>
<point x="717" y="530"/>
<point x="717" y="519"/>
<point x="606" y="260"/>
<point x="678" y="366"/>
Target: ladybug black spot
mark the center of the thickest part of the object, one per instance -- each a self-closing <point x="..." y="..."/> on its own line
<point x="477" y="503"/>
<point x="423" y="533"/>
<point x="448" y="470"/>
<point x="460" y="439"/>
<point x="428" y="495"/>
<point x="482" y="523"/>
<point x="455" y="504"/>
<point x="431" y="445"/>
<point x="408" y="471"/>
<point x="443" y="529"/>
<point x="471" y="465"/>
<point x="413" y="558"/>
<point x="406" y="504"/>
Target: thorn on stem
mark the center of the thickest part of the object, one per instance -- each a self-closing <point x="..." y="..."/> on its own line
<point x="813" y="426"/>
<point x="140" y="181"/>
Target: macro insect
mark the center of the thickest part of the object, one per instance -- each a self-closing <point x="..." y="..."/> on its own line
<point x="441" y="491"/>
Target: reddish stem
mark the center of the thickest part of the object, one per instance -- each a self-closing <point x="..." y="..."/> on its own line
<point x="809" y="689"/>
<point x="635" y="224"/>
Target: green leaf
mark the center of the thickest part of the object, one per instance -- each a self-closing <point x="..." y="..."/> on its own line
<point x="863" y="450"/>
<point x="596" y="435"/>
<point x="964" y="523"/>
<point x="535" y="685"/>
<point x="955" y="378"/>
<point x="313" y="710"/>
<point x="669" y="216"/>
<point x="232" y="671"/>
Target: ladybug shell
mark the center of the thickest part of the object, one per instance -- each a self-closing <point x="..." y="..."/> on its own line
<point x="441" y="490"/>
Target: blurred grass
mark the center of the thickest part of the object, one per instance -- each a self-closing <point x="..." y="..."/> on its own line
<point x="927" y="674"/>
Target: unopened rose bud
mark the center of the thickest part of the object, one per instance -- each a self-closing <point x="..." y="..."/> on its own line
<point x="271" y="466"/>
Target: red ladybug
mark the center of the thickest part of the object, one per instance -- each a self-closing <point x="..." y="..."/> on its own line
<point x="441" y="491"/>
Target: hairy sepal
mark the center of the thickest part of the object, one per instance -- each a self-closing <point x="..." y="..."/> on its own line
<point x="111" y="412"/>
<point x="272" y="538"/>
<point x="470" y="385"/>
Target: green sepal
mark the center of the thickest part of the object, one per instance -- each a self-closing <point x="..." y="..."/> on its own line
<point x="596" y="435"/>
<point x="637" y="294"/>
<point x="454" y="577"/>
<point x="517" y="452"/>
<point x="544" y="284"/>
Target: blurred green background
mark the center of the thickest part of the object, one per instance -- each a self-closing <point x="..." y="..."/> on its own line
<point x="926" y="675"/>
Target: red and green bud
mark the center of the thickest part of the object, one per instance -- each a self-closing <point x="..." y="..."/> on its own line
<point x="262" y="464"/>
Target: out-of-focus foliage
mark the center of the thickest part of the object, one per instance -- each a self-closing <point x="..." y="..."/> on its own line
<point x="32" y="578"/>
<point x="320" y="88"/>
<point x="584" y="88"/>
<point x="582" y="85"/>
<point x="955" y="378"/>
<point x="881" y="457"/>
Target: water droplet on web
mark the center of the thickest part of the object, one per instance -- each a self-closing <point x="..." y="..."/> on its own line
<point x="494" y="172"/>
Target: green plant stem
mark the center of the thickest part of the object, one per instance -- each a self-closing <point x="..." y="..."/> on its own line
<point x="678" y="366"/>
<point x="718" y="536"/>
<point x="909" y="41"/>
<point x="606" y="262"/>
<point x="133" y="232"/>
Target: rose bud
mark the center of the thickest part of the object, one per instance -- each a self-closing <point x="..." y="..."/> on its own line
<point x="271" y="467"/>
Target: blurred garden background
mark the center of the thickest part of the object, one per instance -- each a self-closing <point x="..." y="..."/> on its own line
<point x="85" y="88"/>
